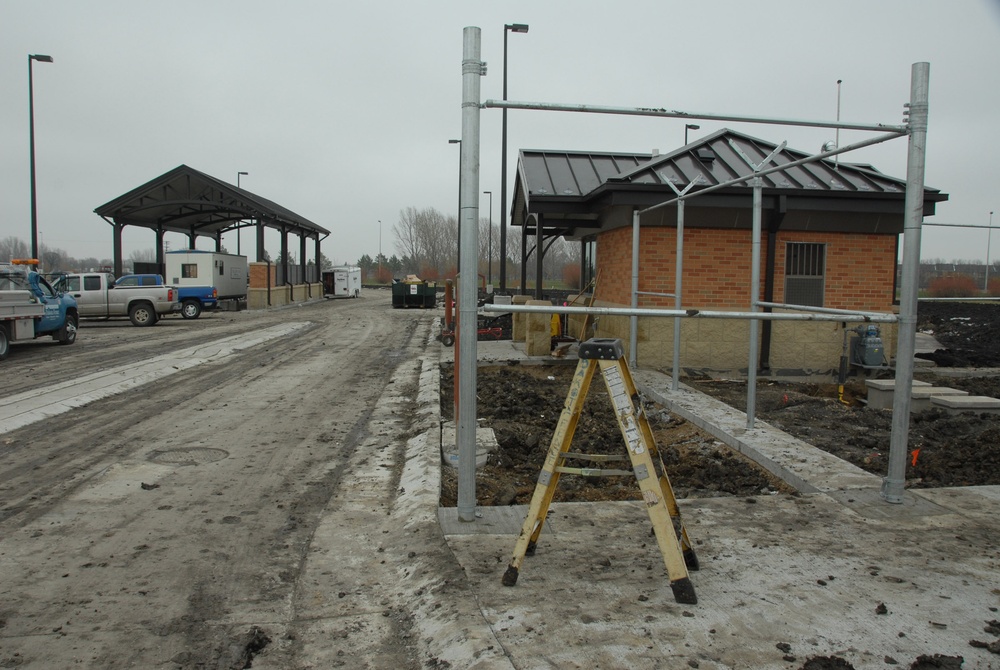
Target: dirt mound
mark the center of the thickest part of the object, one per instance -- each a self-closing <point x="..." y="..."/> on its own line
<point x="523" y="407"/>
<point x="968" y="331"/>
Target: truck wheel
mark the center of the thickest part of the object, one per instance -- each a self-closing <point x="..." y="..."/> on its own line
<point x="67" y="334"/>
<point x="191" y="309"/>
<point x="4" y="342"/>
<point x="142" y="314"/>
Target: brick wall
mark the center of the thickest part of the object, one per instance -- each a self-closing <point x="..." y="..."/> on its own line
<point x="717" y="273"/>
<point x="717" y="267"/>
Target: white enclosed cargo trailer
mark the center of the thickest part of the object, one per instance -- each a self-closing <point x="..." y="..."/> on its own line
<point x="227" y="273"/>
<point x="342" y="282"/>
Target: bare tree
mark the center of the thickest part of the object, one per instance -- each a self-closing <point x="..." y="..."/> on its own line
<point x="13" y="247"/>
<point x="142" y="256"/>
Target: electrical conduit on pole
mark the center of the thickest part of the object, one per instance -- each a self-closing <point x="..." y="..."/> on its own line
<point x="465" y="422"/>
<point x="894" y="482"/>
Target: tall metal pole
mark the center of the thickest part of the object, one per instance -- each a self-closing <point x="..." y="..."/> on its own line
<point x="758" y="198"/>
<point x="465" y="430"/>
<point x="836" y="159"/>
<point x="380" y="250"/>
<point x="31" y="141"/>
<point x="489" y="248"/>
<point x="894" y="482"/>
<point x="517" y="28"/>
<point x="458" y="219"/>
<point x="989" y="241"/>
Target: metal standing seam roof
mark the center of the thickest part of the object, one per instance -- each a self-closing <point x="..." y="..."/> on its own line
<point x="185" y="200"/>
<point x="564" y="177"/>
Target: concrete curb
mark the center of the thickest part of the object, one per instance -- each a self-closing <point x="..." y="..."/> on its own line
<point x="452" y="627"/>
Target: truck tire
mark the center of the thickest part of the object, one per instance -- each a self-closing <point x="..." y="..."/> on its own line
<point x="142" y="314"/>
<point x="67" y="333"/>
<point x="191" y="309"/>
<point x="4" y="342"/>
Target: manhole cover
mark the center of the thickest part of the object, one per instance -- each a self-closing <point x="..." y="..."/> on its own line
<point x="188" y="456"/>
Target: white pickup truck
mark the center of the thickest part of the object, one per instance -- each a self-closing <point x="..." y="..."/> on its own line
<point x="97" y="297"/>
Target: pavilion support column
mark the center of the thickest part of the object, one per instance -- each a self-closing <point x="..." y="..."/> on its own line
<point x="539" y="256"/>
<point x="524" y="258"/>
<point x="192" y="240"/>
<point x="302" y="257"/>
<point x="117" y="248"/>
<point x="261" y="251"/>
<point x="284" y="254"/>
<point x="159" y="246"/>
<point x="319" y="266"/>
<point x="218" y="243"/>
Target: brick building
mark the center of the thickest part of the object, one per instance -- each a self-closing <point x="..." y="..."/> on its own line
<point x="830" y="238"/>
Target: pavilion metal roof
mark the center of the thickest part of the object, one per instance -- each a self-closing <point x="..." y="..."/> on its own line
<point x="185" y="200"/>
<point x="574" y="189"/>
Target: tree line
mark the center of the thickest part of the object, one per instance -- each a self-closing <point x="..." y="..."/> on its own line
<point x="426" y="245"/>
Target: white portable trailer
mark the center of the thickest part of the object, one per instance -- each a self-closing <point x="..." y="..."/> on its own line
<point x="342" y="282"/>
<point x="227" y="273"/>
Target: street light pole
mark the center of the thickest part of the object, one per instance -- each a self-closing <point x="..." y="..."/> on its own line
<point x="989" y="240"/>
<point x="514" y="28"/>
<point x="689" y="126"/>
<point x="239" y="229"/>
<point x="380" y="250"/>
<point x="458" y="218"/>
<point x="31" y="132"/>
<point x="489" y="248"/>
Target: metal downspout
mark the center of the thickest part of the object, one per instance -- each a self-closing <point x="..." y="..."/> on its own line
<point x="894" y="482"/>
<point x="465" y="423"/>
<point x="633" y="321"/>
<point x="774" y="224"/>
<point x="678" y="281"/>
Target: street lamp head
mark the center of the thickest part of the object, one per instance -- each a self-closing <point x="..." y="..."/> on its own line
<point x="693" y="126"/>
<point x="516" y="27"/>
<point x="491" y="193"/>
<point x="454" y="141"/>
<point x="243" y="173"/>
<point x="42" y="58"/>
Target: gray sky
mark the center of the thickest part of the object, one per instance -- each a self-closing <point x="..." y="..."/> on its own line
<point x="342" y="111"/>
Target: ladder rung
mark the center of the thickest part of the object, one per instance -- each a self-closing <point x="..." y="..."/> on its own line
<point x="593" y="472"/>
<point x="601" y="458"/>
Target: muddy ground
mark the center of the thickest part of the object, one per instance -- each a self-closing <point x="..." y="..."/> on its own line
<point x="522" y="405"/>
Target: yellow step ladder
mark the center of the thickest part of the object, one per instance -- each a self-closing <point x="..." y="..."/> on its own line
<point x="608" y="356"/>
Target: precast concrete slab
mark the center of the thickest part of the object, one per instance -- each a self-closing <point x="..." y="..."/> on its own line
<point x="957" y="404"/>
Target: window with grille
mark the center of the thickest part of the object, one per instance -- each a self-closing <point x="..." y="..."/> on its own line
<point x="805" y="269"/>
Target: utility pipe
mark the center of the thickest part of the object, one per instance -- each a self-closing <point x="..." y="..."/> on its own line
<point x="758" y="197"/>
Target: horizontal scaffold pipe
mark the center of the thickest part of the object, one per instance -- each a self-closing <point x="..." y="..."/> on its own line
<point x="690" y="313"/>
<point x="819" y="310"/>
<point x="679" y="114"/>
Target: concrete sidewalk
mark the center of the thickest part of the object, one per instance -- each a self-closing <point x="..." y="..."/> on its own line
<point x="833" y="571"/>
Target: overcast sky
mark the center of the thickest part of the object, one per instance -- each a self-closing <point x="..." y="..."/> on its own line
<point x="342" y="111"/>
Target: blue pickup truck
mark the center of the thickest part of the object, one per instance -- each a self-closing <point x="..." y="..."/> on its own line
<point x="191" y="299"/>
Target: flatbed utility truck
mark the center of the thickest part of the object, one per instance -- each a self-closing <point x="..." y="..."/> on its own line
<point x="31" y="308"/>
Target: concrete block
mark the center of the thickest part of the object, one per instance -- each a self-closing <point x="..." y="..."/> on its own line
<point x="880" y="392"/>
<point x="519" y="321"/>
<point x="920" y="400"/>
<point x="956" y="404"/>
<point x="538" y="335"/>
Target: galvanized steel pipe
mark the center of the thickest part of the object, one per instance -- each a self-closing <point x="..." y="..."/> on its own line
<point x="895" y="480"/>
